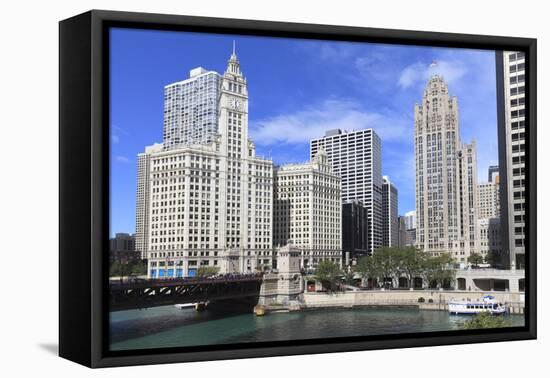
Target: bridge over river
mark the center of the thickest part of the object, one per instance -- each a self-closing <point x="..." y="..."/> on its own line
<point x="142" y="293"/>
<point x="282" y="287"/>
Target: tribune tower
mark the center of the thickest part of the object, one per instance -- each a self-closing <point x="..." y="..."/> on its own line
<point x="446" y="176"/>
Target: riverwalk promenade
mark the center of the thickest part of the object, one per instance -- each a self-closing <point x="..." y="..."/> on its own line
<point x="422" y="299"/>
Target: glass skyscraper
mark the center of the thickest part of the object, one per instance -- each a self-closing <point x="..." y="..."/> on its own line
<point x="191" y="109"/>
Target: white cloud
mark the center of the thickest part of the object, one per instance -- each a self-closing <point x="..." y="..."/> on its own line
<point x="337" y="52"/>
<point x="116" y="132"/>
<point x="313" y="121"/>
<point x="420" y="73"/>
<point x="369" y="66"/>
<point x="122" y="159"/>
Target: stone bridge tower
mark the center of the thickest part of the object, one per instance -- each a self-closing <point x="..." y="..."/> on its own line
<point x="286" y="283"/>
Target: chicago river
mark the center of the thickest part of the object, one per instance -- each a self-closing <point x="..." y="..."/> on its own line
<point x="167" y="326"/>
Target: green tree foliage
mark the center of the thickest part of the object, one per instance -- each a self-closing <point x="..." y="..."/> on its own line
<point x="329" y="274"/>
<point x="475" y="259"/>
<point x="387" y="259"/>
<point x="485" y="320"/>
<point x="367" y="268"/>
<point x="125" y="268"/>
<point x="207" y="271"/>
<point x="413" y="262"/>
<point x="138" y="268"/>
<point x="439" y="270"/>
<point x="391" y="263"/>
<point x="348" y="277"/>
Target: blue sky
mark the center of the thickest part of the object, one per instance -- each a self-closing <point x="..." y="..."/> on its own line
<point x="297" y="90"/>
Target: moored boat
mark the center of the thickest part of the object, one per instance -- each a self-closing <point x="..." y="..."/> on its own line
<point x="488" y="303"/>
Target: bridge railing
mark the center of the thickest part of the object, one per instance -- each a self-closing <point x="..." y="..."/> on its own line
<point x="490" y="272"/>
<point x="135" y="283"/>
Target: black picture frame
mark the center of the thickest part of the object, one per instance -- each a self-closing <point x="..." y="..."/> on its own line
<point x="84" y="186"/>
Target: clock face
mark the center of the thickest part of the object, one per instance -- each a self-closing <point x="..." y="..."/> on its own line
<point x="235" y="103"/>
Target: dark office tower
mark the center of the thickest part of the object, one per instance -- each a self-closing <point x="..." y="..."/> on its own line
<point x="354" y="230"/>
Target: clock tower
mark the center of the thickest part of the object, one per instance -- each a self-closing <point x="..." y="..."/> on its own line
<point x="220" y="212"/>
<point x="233" y="117"/>
<point x="246" y="179"/>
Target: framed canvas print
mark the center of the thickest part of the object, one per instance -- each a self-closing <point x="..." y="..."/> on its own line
<point x="235" y="188"/>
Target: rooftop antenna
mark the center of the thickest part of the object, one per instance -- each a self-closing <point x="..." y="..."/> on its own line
<point x="233" y="47"/>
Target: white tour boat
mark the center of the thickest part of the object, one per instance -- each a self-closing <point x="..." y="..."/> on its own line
<point x="486" y="304"/>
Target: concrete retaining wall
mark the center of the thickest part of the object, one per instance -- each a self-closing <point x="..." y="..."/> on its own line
<point x="406" y="298"/>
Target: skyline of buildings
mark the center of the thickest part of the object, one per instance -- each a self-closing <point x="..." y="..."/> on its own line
<point x="122" y="248"/>
<point x="205" y="199"/>
<point x="169" y="174"/>
<point x="210" y="203"/>
<point x="303" y="101"/>
<point x="356" y="156"/>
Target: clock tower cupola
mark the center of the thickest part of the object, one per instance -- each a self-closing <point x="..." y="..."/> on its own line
<point x="234" y="87"/>
<point x="233" y="65"/>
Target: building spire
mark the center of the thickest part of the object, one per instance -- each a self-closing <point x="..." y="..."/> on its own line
<point x="233" y="57"/>
<point x="233" y="66"/>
